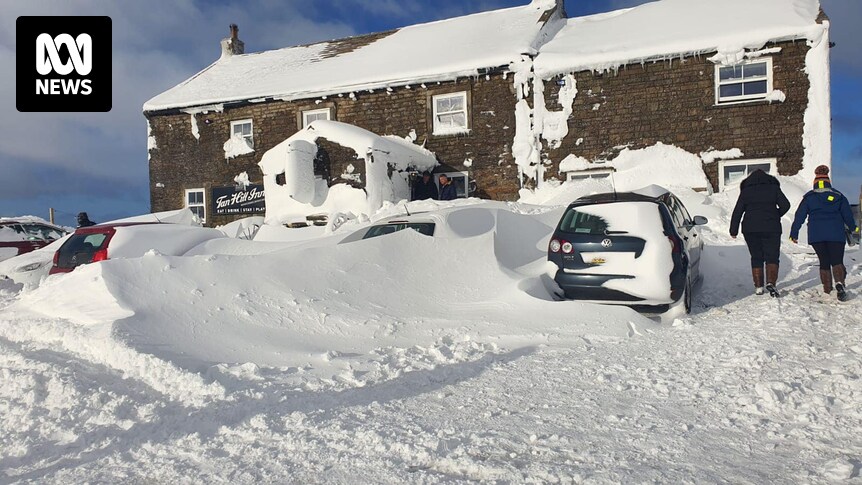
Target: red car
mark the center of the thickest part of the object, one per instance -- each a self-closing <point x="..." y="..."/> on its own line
<point x="19" y="236"/>
<point x="127" y="240"/>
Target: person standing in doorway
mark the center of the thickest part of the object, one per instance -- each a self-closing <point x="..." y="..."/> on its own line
<point x="829" y="218"/>
<point x="447" y="190"/>
<point x="424" y="187"/>
<point x="760" y="206"/>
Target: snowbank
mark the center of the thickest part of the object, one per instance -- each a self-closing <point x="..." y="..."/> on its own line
<point x="181" y="216"/>
<point x="280" y="308"/>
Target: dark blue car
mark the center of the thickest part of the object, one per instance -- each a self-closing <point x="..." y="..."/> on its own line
<point x="638" y="249"/>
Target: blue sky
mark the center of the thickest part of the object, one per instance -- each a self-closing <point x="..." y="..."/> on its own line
<point x="97" y="162"/>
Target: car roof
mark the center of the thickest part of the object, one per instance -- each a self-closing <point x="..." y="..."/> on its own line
<point x="101" y="227"/>
<point x="615" y="197"/>
<point x="26" y="221"/>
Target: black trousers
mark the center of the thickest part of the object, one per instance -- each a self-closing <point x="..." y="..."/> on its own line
<point x="830" y="254"/>
<point x="764" y="247"/>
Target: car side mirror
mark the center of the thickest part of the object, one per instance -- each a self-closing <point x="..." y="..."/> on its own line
<point x="700" y="221"/>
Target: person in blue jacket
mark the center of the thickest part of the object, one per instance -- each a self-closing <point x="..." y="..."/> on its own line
<point x="828" y="212"/>
<point x="447" y="189"/>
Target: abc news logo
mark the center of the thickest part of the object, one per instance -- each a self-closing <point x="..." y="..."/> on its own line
<point x="71" y="69"/>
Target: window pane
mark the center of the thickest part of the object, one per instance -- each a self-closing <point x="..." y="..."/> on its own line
<point x="759" y="166"/>
<point x="457" y="120"/>
<point x="730" y="72"/>
<point x="457" y="103"/>
<point x="246" y="129"/>
<point x="756" y="87"/>
<point x="730" y="90"/>
<point x="450" y="104"/>
<point x="460" y="183"/>
<point x="734" y="175"/>
<point x="755" y="70"/>
<point x="444" y="105"/>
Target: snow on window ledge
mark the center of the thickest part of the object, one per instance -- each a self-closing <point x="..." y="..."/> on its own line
<point x="452" y="132"/>
<point x="236" y="146"/>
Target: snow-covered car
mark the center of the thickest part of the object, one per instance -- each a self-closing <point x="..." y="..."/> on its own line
<point x="20" y="236"/>
<point x="637" y="249"/>
<point x="458" y="222"/>
<point x="127" y="240"/>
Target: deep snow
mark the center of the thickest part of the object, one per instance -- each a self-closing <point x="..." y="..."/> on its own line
<point x="424" y="360"/>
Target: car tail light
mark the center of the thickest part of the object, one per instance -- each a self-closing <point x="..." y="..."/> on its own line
<point x="100" y="255"/>
<point x="56" y="260"/>
<point x="567" y="247"/>
<point x="554" y="247"/>
<point x="674" y="245"/>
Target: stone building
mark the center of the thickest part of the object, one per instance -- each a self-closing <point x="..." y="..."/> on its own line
<point x="503" y="97"/>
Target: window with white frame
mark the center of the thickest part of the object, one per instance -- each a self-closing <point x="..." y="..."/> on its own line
<point x="450" y="113"/>
<point x="746" y="81"/>
<point x="314" y="115"/>
<point x="243" y="128"/>
<point x="601" y="174"/>
<point x="732" y="172"/>
<point x="196" y="202"/>
<point x="460" y="180"/>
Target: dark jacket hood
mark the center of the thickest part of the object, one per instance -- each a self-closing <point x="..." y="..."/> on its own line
<point x="759" y="177"/>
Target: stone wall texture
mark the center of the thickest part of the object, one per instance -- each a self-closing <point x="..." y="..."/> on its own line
<point x="671" y="102"/>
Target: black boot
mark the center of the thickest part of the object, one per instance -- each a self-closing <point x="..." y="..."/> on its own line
<point x="840" y="272"/>
<point x="772" y="279"/>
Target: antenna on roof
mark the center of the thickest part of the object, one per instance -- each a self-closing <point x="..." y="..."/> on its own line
<point x="406" y="209"/>
<point x="614" y="186"/>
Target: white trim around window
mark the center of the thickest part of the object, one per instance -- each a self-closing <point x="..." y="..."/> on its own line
<point x="315" y="114"/>
<point x="196" y="200"/>
<point x="244" y="128"/>
<point x="732" y="172"/>
<point x="450" y="113"/>
<point x="599" y="174"/>
<point x="744" y="82"/>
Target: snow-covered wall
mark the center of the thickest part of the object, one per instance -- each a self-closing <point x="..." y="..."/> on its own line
<point x="387" y="159"/>
<point x="817" y="138"/>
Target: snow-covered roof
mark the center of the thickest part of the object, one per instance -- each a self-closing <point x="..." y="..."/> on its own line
<point x="670" y="28"/>
<point x="429" y="52"/>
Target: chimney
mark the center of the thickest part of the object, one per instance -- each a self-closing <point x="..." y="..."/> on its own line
<point x="232" y="45"/>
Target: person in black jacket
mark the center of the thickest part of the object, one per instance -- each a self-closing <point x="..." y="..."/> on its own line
<point x="760" y="206"/>
<point x="424" y="188"/>
<point x="84" y="220"/>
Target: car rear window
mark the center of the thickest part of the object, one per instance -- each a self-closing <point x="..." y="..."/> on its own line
<point x="42" y="232"/>
<point x="610" y="218"/>
<point x="424" y="228"/>
<point x="577" y="222"/>
<point x="79" y="249"/>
